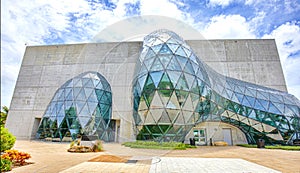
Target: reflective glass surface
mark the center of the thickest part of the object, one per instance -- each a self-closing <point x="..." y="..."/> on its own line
<point x="81" y="106"/>
<point x="173" y="90"/>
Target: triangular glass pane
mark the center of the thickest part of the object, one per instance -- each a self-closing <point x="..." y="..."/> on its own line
<point x="181" y="96"/>
<point x="84" y="121"/>
<point x="165" y="59"/>
<point x="149" y="119"/>
<point x="149" y="62"/>
<point x="93" y="97"/>
<point x="172" y="114"/>
<point x="174" y="76"/>
<point x="180" y="52"/>
<point x="143" y="115"/>
<point x="67" y="91"/>
<point x="266" y="95"/>
<point x="180" y="119"/>
<point x="264" y="103"/>
<point x="172" y="40"/>
<point x="84" y="111"/>
<point x="164" y="118"/>
<point x="157" y="41"/>
<point x="187" y="51"/>
<point x="96" y="81"/>
<point x="156" y="76"/>
<point x="258" y="105"/>
<point x="239" y="97"/>
<point x="88" y="91"/>
<point x="148" y="97"/>
<point x="68" y="105"/>
<point x="181" y="60"/>
<point x="195" y="99"/>
<point x="77" y="83"/>
<point x="70" y="84"/>
<point x="173" y="102"/>
<point x="188" y="68"/>
<point x="181" y="83"/>
<point x="189" y="79"/>
<point x="173" y="47"/>
<point x="89" y="84"/>
<point x="79" y="105"/>
<point x="174" y="65"/>
<point x="165" y="82"/>
<point x="81" y="95"/>
<point x="188" y="105"/>
<point x="156" y="65"/>
<point x="194" y="58"/>
<point x="150" y="54"/>
<point x="279" y="106"/>
<point x="195" y="67"/>
<point x="69" y="97"/>
<point x="274" y="109"/>
<point x="258" y="127"/>
<point x="187" y="116"/>
<point x="156" y="114"/>
<point x="165" y="95"/>
<point x="246" y="102"/>
<point x="156" y="102"/>
<point x="165" y="49"/>
<point x="61" y="95"/>
<point x="149" y="86"/>
<point x="92" y="106"/>
<point x="99" y="85"/>
<point x="143" y="105"/>
<point x="84" y="81"/>
<point x="156" y="48"/>
<point x="142" y="80"/>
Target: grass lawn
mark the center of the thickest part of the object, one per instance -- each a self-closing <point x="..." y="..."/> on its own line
<point x="282" y="147"/>
<point x="158" y="145"/>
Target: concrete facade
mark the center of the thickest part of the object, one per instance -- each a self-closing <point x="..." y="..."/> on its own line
<point x="45" y="68"/>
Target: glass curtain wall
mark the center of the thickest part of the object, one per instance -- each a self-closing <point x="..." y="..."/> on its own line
<point x="173" y="90"/>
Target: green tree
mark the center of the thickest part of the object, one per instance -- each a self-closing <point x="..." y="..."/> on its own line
<point x="4" y="113"/>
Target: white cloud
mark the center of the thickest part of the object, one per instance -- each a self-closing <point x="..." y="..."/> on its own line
<point x="287" y="37"/>
<point x="230" y="26"/>
<point x="34" y="22"/>
<point x="222" y="3"/>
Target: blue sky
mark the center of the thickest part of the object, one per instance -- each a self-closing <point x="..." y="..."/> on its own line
<point x="44" y="22"/>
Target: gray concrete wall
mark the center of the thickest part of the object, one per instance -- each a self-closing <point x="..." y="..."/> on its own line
<point x="45" y="68"/>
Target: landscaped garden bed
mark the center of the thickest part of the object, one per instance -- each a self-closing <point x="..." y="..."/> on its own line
<point x="282" y="147"/>
<point x="158" y="145"/>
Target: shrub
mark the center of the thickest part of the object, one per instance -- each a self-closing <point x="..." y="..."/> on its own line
<point x="15" y="156"/>
<point x="97" y="146"/>
<point x="7" y="139"/>
<point x="157" y="145"/>
<point x="5" y="165"/>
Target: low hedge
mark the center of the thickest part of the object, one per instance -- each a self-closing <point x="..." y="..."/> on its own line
<point x="281" y="147"/>
<point x="158" y="145"/>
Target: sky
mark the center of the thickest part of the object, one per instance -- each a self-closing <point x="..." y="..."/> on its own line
<point x="44" y="22"/>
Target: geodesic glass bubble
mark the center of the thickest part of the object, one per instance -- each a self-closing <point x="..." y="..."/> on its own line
<point x="81" y="106"/>
<point x="174" y="90"/>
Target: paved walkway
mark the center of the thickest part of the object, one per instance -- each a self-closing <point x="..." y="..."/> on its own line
<point x="51" y="157"/>
<point x="205" y="165"/>
<point x="174" y="165"/>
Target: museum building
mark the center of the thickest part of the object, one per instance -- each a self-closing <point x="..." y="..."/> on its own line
<point x="162" y="89"/>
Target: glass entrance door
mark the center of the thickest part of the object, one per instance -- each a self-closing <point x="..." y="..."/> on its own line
<point x="200" y="136"/>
